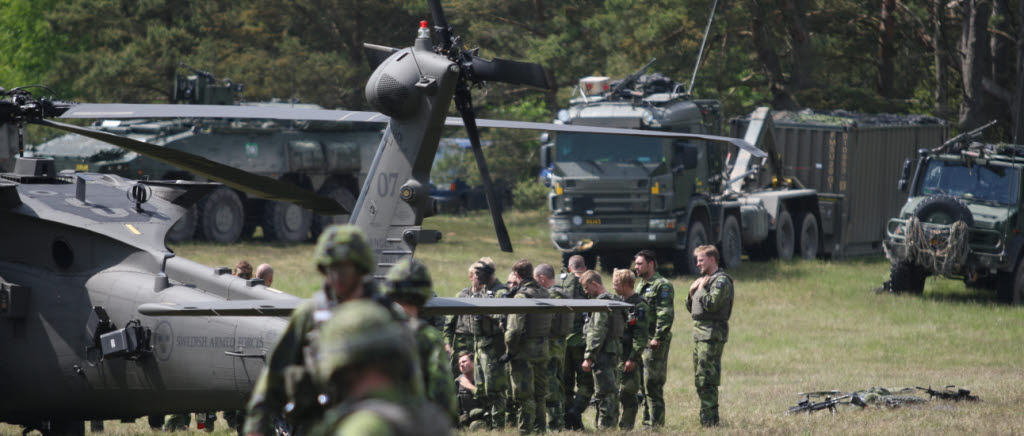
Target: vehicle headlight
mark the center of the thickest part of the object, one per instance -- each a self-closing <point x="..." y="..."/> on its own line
<point x="648" y="117"/>
<point x="661" y="223"/>
<point x="577" y="220"/>
<point x="563" y="116"/>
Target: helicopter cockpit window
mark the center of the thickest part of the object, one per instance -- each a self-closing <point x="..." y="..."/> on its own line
<point x="582" y="147"/>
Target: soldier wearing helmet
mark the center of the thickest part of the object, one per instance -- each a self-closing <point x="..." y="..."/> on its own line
<point x="344" y="257"/>
<point x="408" y="284"/>
<point x="365" y="361"/>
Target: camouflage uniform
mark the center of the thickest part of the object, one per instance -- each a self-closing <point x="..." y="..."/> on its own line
<point x="408" y="281"/>
<point x="285" y="379"/>
<point x="578" y="385"/>
<point x="362" y="337"/>
<point x="490" y="374"/>
<point x="471" y="410"/>
<point x="526" y="340"/>
<point x="659" y="294"/>
<point x="604" y="348"/>
<point x="561" y="325"/>
<point x="634" y="341"/>
<point x="710" y="306"/>
<point x="456" y="333"/>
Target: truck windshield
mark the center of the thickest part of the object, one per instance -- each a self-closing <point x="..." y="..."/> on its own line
<point x="979" y="183"/>
<point x="576" y="147"/>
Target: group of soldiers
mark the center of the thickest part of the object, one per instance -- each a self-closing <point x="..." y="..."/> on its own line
<point x="540" y="372"/>
<point x="360" y="359"/>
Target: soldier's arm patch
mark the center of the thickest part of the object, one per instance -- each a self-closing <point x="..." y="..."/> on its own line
<point x="664" y="294"/>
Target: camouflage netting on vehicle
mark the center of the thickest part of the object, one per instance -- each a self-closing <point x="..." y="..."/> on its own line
<point x="840" y="117"/>
<point x="939" y="250"/>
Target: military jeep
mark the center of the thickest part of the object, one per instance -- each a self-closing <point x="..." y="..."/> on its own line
<point x="961" y="220"/>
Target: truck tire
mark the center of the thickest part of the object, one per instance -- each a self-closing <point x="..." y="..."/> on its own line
<point x="807" y="239"/>
<point x="906" y="277"/>
<point x="185" y="228"/>
<point x="610" y="261"/>
<point x="685" y="262"/>
<point x="732" y="242"/>
<point x="943" y="209"/>
<point x="221" y="216"/>
<point x="783" y="238"/>
<point x="286" y="222"/>
<point x="1011" y="288"/>
<point x="341" y="193"/>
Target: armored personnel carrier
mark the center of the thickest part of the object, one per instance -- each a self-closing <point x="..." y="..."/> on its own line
<point x="327" y="157"/>
<point x="962" y="219"/>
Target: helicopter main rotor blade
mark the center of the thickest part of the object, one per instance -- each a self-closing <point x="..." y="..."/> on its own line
<point x="126" y="111"/>
<point x="257" y="185"/>
<point x="452" y="122"/>
<point x="469" y="119"/>
<point x="507" y="71"/>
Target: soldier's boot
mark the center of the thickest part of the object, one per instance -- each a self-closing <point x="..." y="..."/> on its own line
<point x="556" y="416"/>
<point x="573" y="419"/>
<point x="708" y="405"/>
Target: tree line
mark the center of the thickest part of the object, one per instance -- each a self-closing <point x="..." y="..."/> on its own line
<point x="961" y="60"/>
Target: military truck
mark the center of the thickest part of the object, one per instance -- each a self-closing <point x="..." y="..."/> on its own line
<point x="962" y="219"/>
<point x="612" y="196"/>
<point x="330" y="158"/>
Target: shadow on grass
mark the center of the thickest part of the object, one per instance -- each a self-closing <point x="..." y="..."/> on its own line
<point x="965" y="295"/>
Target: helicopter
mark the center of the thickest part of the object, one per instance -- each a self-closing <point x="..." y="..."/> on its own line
<point x="100" y="320"/>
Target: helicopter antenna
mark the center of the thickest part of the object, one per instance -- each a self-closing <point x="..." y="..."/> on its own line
<point x="700" y="54"/>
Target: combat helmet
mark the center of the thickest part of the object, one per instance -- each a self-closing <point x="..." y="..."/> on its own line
<point x="340" y="243"/>
<point x="409" y="281"/>
<point x="362" y="332"/>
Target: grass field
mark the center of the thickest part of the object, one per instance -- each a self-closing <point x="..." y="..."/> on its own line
<point x="799" y="326"/>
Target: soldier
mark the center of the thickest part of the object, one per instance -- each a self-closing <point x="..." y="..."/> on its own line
<point x="365" y="362"/>
<point x="471" y="409"/>
<point x="561" y="325"/>
<point x="265" y="272"/>
<point x="634" y="341"/>
<point x="658" y="293"/>
<point x="579" y="386"/>
<point x="488" y="337"/>
<point x="344" y="257"/>
<point x="710" y="305"/>
<point x="604" y="347"/>
<point x="243" y="269"/>
<point x="457" y="338"/>
<point x="409" y="285"/>
<point x="526" y="344"/>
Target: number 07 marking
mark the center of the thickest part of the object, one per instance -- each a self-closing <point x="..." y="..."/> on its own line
<point x="387" y="184"/>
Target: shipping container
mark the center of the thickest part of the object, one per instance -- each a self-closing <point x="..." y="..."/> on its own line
<point x="858" y="157"/>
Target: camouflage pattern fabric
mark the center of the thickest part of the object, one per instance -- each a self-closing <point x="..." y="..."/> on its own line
<point x="556" y="396"/>
<point x="604" y="352"/>
<point x="178" y="422"/>
<point x="383" y="411"/>
<point x="269" y="396"/>
<point x="707" y="368"/>
<point x="340" y="243"/>
<point x="456" y="334"/>
<point x="660" y="296"/>
<point x="714" y="300"/>
<point x="472" y="415"/>
<point x="634" y="342"/>
<point x="575" y="382"/>
<point x="434" y="366"/>
<point x="528" y="364"/>
<point x="492" y="376"/>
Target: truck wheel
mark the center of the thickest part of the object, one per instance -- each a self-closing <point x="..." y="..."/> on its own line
<point x="695" y="237"/>
<point x="590" y="259"/>
<point x="185" y="228"/>
<point x="221" y="216"/>
<point x="610" y="261"/>
<point x="1012" y="291"/>
<point x="344" y="196"/>
<point x="732" y="243"/>
<point x="907" y="277"/>
<point x="286" y="222"/>
<point x="783" y="237"/>
<point x="808" y="239"/>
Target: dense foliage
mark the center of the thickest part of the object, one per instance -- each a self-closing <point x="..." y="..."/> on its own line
<point x="958" y="60"/>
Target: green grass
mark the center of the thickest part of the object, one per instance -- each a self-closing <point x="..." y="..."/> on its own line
<point x="798" y="326"/>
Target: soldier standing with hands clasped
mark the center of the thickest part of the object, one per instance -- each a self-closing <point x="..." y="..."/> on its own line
<point x="601" y="357"/>
<point x="710" y="305"/>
